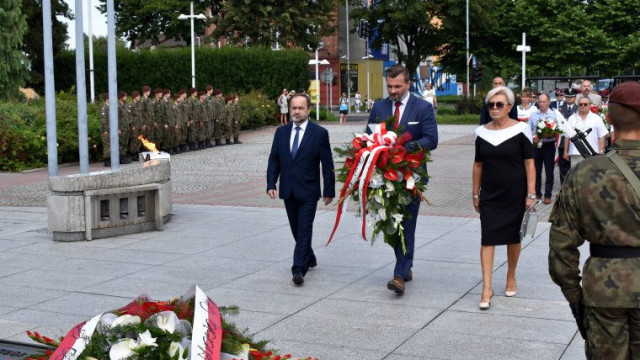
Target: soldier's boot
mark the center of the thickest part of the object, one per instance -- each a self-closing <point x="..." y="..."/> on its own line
<point x="135" y="157"/>
<point x="229" y="142"/>
<point x="184" y="148"/>
<point x="209" y="144"/>
<point x="236" y="141"/>
<point x="201" y="144"/>
<point x="107" y="162"/>
<point x="193" y="146"/>
<point x="219" y="143"/>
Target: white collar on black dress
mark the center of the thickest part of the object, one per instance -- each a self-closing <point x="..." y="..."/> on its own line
<point x="497" y="137"/>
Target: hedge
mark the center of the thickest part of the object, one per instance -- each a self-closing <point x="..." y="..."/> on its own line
<point x="231" y="69"/>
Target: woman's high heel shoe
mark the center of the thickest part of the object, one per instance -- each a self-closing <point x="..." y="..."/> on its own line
<point x="510" y="293"/>
<point x="486" y="305"/>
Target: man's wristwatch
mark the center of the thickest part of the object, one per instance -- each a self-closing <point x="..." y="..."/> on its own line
<point x="532" y="196"/>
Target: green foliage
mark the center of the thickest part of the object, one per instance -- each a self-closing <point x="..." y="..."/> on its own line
<point x="325" y="115"/>
<point x="234" y="70"/>
<point x="138" y="21"/>
<point x="33" y="45"/>
<point x="13" y="64"/>
<point x="258" y="110"/>
<point x="23" y="142"/>
<point x="465" y="119"/>
<point x="282" y="21"/>
<point x="468" y="106"/>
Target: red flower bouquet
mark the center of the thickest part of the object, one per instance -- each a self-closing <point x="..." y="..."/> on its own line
<point x="383" y="176"/>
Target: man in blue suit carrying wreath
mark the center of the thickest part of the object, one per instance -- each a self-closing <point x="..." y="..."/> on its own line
<point x="416" y="116"/>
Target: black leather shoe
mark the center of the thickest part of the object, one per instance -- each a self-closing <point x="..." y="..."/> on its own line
<point x="313" y="263"/>
<point x="410" y="276"/>
<point x="298" y="279"/>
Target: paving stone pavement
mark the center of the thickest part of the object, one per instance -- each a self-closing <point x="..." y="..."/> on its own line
<point x="226" y="236"/>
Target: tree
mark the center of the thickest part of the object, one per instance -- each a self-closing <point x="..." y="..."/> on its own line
<point x="415" y="29"/>
<point x="264" y="22"/>
<point x="33" y="45"/>
<point x="13" y="62"/>
<point x="141" y="20"/>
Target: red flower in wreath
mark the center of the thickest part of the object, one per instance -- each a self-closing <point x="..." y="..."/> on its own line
<point x="397" y="154"/>
<point x="358" y="143"/>
<point x="413" y="160"/>
<point x="594" y="109"/>
<point x="391" y="174"/>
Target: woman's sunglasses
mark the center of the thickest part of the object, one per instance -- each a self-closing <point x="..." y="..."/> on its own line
<point x="497" y="105"/>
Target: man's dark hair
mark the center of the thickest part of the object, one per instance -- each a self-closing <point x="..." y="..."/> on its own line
<point x="397" y="70"/>
<point x="304" y="96"/>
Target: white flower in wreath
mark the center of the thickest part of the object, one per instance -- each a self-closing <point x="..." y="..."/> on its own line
<point x="125" y="320"/>
<point x="122" y="349"/>
<point x="397" y="219"/>
<point x="177" y="348"/>
<point x="166" y="321"/>
<point x="145" y="339"/>
<point x="383" y="213"/>
<point x="541" y="125"/>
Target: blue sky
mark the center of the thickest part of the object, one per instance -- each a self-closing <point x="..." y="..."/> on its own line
<point x="99" y="21"/>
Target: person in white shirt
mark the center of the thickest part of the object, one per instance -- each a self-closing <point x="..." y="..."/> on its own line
<point x="526" y="108"/>
<point x="586" y="91"/>
<point x="358" y="101"/>
<point x="583" y="120"/>
<point x="429" y="95"/>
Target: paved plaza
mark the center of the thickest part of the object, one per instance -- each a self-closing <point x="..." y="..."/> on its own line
<point x="228" y="237"/>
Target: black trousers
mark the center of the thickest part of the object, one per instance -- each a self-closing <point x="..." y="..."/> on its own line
<point x="301" y="215"/>
<point x="563" y="166"/>
<point x="544" y="156"/>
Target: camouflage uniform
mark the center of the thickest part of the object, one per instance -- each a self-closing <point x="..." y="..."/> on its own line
<point x="201" y="117"/>
<point x="104" y="133"/>
<point x="192" y="125"/>
<point x="147" y="119"/>
<point x="136" y="124"/>
<point x="597" y="204"/>
<point x="236" y="122"/>
<point x="164" y="116"/>
<point x="220" y="119"/>
<point x="124" y="123"/>
<point x="211" y="118"/>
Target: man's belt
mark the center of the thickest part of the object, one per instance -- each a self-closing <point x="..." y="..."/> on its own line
<point x="604" y="251"/>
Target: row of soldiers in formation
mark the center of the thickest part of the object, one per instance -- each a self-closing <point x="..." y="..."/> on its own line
<point x="173" y="123"/>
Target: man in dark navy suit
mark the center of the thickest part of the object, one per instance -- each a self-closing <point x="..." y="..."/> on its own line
<point x="298" y="149"/>
<point x="417" y="117"/>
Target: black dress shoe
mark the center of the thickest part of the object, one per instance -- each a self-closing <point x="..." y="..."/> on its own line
<point x="298" y="279"/>
<point x="313" y="263"/>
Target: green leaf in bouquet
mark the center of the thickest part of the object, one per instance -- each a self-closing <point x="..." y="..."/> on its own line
<point x="404" y="198"/>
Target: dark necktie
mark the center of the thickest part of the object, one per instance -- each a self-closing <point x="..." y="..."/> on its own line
<point x="396" y="113"/>
<point x="294" y="147"/>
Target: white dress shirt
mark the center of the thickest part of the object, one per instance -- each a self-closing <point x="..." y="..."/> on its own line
<point x="303" y="127"/>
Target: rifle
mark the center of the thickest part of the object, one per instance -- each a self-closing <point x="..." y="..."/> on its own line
<point x="577" y="137"/>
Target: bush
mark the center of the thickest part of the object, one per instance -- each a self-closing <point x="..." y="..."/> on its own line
<point x="23" y="136"/>
<point x="258" y="110"/>
<point x="465" y="119"/>
<point x="325" y="115"/>
<point x="469" y="106"/>
<point x="232" y="69"/>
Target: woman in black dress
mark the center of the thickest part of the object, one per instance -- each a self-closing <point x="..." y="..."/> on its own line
<point x="503" y="186"/>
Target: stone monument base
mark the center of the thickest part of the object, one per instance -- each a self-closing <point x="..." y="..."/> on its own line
<point x="107" y="203"/>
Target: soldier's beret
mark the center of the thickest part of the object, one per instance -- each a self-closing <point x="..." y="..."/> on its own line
<point x="157" y="91"/>
<point x="135" y="94"/>
<point x="229" y="98"/>
<point x="193" y="91"/>
<point x="201" y="93"/>
<point x="122" y="95"/>
<point x="559" y="92"/>
<point x="209" y="87"/>
<point x="105" y="96"/>
<point x="166" y="91"/>
<point x="605" y="92"/>
<point x="182" y="91"/>
<point x="146" y="88"/>
<point x="217" y="92"/>
<point x="627" y="94"/>
<point x="176" y="97"/>
<point x="568" y="92"/>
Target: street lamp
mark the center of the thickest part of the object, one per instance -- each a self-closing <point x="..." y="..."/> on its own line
<point x="317" y="62"/>
<point x="192" y="16"/>
<point x="369" y="56"/>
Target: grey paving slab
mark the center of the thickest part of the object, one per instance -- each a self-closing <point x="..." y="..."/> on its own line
<point x="456" y="346"/>
<point x="344" y="334"/>
<point x="283" y="304"/>
<point x="517" y="306"/>
<point x="54" y="279"/>
<point x="370" y="314"/>
<point x="492" y="324"/>
<point x="325" y="352"/>
<point x="575" y="351"/>
<point x="85" y="305"/>
<point x="20" y="296"/>
<point x="133" y="287"/>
